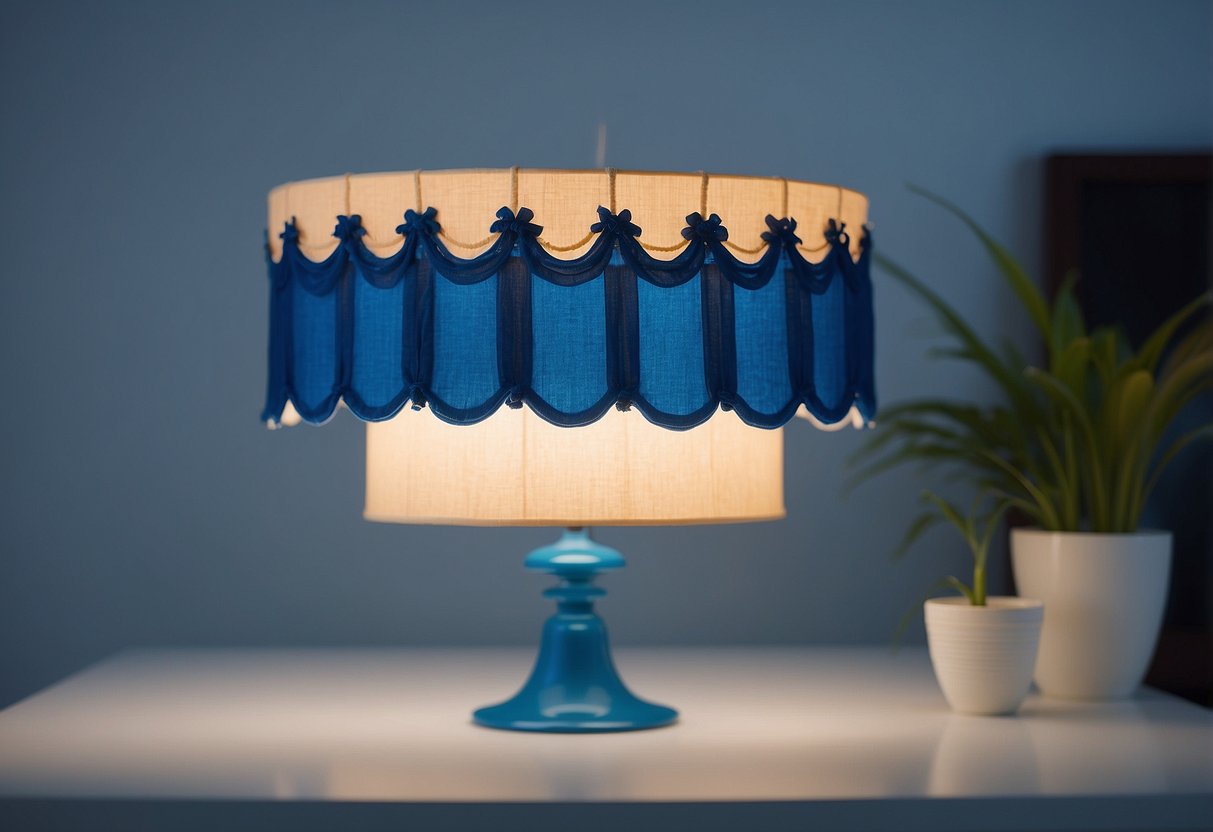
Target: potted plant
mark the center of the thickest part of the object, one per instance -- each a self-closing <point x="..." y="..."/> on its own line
<point x="1075" y="447"/>
<point x="982" y="648"/>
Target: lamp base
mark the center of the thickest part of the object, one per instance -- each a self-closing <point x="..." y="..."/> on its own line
<point x="574" y="687"/>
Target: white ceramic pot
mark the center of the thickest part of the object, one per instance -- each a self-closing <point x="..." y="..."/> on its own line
<point x="983" y="656"/>
<point x="1105" y="595"/>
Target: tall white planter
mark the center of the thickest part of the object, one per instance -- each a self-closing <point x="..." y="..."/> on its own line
<point x="1104" y="596"/>
<point x="983" y="656"/>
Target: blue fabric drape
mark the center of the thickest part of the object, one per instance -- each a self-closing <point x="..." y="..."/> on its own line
<point x="516" y="325"/>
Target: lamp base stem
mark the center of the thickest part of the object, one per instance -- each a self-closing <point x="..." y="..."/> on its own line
<point x="574" y="687"/>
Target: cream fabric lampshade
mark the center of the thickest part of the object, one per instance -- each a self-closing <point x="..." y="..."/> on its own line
<point x="514" y="467"/>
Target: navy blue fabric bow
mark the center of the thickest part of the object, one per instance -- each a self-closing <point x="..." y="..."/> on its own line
<point x="423" y="223"/>
<point x="783" y="231"/>
<point x="704" y="230"/>
<point x="520" y="224"/>
<point x="620" y="223"/>
<point x="290" y="232"/>
<point x="836" y="234"/>
<point x="349" y="228"/>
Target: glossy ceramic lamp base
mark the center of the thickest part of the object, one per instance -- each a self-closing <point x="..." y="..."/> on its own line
<point x="574" y="687"/>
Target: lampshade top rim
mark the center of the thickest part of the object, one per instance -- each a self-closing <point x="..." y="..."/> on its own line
<point x="604" y="171"/>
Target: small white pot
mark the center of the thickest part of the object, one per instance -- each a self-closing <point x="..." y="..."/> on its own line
<point x="1105" y="594"/>
<point x="983" y="656"/>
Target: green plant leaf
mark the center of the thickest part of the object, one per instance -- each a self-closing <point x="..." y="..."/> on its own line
<point x="958" y="448"/>
<point x="1072" y="506"/>
<point x="1129" y="448"/>
<point x="1028" y="508"/>
<point x="991" y="523"/>
<point x="1198" y="341"/>
<point x="1179" y="386"/>
<point x="1130" y="408"/>
<point x="962" y="523"/>
<point x="960" y="586"/>
<point x="1067" y="325"/>
<point x="1015" y="275"/>
<point x="1070" y="364"/>
<point x="1105" y="349"/>
<point x="1046" y="510"/>
<point x="946" y="509"/>
<point x="1009" y="380"/>
<point x="1154" y="347"/>
<point x="1060" y="474"/>
<point x="1094" y="472"/>
<point x="992" y="426"/>
<point x="1012" y="356"/>
<point x="1168" y="456"/>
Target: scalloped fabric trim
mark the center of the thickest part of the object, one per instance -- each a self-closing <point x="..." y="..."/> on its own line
<point x="615" y="327"/>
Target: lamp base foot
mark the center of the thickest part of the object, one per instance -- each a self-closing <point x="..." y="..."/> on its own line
<point x="519" y="714"/>
<point x="574" y="687"/>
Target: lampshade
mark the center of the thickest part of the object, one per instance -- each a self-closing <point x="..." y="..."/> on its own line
<point x="669" y="295"/>
<point x="612" y="348"/>
<point x="517" y="469"/>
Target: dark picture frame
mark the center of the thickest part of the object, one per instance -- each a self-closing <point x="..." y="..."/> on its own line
<point x="1138" y="228"/>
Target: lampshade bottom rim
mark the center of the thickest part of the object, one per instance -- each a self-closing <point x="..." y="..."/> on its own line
<point x="572" y="522"/>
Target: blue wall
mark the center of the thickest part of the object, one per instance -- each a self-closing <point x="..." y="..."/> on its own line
<point x="141" y="502"/>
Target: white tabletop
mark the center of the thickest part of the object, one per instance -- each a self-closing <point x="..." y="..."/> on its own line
<point x="392" y="725"/>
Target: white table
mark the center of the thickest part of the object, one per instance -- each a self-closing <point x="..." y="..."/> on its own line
<point x="781" y="736"/>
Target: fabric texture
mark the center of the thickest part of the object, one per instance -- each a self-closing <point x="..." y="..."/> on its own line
<point x="614" y="326"/>
<point x="516" y="469"/>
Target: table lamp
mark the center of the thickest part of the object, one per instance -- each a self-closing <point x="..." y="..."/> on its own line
<point x="570" y="348"/>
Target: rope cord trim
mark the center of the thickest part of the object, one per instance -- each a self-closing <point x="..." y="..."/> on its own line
<point x="331" y="243"/>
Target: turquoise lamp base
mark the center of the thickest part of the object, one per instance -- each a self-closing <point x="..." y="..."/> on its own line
<point x="574" y="687"/>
